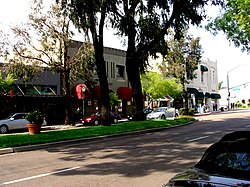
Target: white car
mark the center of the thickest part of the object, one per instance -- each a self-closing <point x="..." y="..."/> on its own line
<point x="15" y="121"/>
<point x="162" y="113"/>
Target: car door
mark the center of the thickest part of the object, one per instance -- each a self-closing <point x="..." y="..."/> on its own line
<point x="18" y="121"/>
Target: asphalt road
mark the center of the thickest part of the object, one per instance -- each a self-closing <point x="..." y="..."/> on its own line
<point x="146" y="160"/>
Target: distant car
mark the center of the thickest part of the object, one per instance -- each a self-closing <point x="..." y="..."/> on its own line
<point x="96" y="118"/>
<point x="14" y="122"/>
<point x="162" y="113"/>
<point x="145" y="112"/>
<point x="224" y="164"/>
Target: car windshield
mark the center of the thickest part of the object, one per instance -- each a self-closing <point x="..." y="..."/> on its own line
<point x="230" y="159"/>
<point x="160" y="110"/>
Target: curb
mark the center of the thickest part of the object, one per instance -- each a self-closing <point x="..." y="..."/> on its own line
<point x="86" y="140"/>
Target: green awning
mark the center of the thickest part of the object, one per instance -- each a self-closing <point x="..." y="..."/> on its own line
<point x="215" y="96"/>
<point x="207" y="95"/>
<point x="204" y="68"/>
<point x="195" y="92"/>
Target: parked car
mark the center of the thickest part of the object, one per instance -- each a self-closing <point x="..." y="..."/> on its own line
<point x="225" y="163"/>
<point x="14" y="122"/>
<point x="145" y="112"/>
<point x="163" y="113"/>
<point x="96" y="118"/>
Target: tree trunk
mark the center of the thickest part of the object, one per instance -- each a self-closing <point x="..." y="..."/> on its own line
<point x="132" y="68"/>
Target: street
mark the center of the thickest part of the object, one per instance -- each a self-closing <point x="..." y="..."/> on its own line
<point x="146" y="160"/>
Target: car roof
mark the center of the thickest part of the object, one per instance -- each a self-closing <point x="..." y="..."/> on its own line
<point x="237" y="135"/>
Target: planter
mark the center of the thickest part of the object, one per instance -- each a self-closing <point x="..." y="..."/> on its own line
<point x="34" y="128"/>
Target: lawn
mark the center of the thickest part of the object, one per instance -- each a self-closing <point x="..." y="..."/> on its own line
<point x="16" y="140"/>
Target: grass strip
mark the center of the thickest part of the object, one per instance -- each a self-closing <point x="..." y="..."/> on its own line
<point x="17" y="140"/>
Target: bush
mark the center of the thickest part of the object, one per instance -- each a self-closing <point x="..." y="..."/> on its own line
<point x="35" y="117"/>
<point x="191" y="111"/>
<point x="188" y="112"/>
<point x="183" y="111"/>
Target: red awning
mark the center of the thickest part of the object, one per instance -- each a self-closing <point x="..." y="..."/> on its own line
<point x="81" y="90"/>
<point x="124" y="93"/>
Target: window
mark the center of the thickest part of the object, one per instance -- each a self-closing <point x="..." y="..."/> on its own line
<point x="202" y="76"/>
<point x="120" y="71"/>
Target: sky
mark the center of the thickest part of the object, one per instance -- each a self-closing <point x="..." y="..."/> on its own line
<point x="229" y="59"/>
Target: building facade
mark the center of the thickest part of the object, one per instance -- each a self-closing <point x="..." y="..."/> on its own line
<point x="203" y="90"/>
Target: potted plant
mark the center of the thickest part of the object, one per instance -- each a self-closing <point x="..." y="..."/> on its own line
<point x="35" y="119"/>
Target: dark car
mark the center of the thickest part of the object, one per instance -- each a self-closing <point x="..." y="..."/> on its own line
<point x="96" y="118"/>
<point x="145" y="112"/>
<point x="225" y="163"/>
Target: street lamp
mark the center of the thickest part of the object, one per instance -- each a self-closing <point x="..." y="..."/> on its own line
<point x="228" y="89"/>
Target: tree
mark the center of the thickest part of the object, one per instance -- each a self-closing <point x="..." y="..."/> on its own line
<point x="182" y="60"/>
<point x="234" y="22"/>
<point x="146" y="24"/>
<point x="90" y="16"/>
<point x="158" y="86"/>
<point x="5" y="83"/>
<point x="220" y="85"/>
<point x="43" y="42"/>
<point x="114" y="99"/>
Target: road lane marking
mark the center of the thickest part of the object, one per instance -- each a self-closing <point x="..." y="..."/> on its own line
<point x="199" y="138"/>
<point x="39" y="176"/>
<point x="247" y="126"/>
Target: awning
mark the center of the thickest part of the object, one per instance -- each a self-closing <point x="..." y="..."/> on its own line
<point x="80" y="91"/>
<point x="204" y="68"/>
<point x="124" y="93"/>
<point x="207" y="95"/>
<point x="195" y="92"/>
<point x="166" y="98"/>
<point x="97" y="92"/>
<point x="215" y="96"/>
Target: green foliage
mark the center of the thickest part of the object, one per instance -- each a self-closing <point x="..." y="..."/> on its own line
<point x="234" y="22"/>
<point x="186" y="111"/>
<point x="6" y="82"/>
<point x="187" y="117"/>
<point x="114" y="99"/>
<point x="157" y="86"/>
<point x="183" y="58"/>
<point x="35" y="117"/>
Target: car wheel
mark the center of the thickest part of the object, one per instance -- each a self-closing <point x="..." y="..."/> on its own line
<point x="163" y="117"/>
<point x="3" y="129"/>
<point x="96" y="122"/>
<point x="115" y="120"/>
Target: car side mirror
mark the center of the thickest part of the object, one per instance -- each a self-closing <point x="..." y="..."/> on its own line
<point x="12" y="119"/>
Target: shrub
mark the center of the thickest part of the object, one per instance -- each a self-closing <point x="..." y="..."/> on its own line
<point x="191" y="111"/>
<point x="188" y="112"/>
<point x="35" y="117"/>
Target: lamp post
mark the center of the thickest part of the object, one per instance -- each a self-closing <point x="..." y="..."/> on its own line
<point x="228" y="89"/>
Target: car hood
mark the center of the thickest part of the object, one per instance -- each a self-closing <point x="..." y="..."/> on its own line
<point x="195" y="177"/>
<point x="155" y="113"/>
<point x="4" y="121"/>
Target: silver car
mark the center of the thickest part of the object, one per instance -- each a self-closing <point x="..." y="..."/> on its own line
<point x="162" y="113"/>
<point x="15" y="121"/>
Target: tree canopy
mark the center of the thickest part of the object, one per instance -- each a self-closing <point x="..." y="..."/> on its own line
<point x="43" y="42"/>
<point x="157" y="86"/>
<point x="234" y="21"/>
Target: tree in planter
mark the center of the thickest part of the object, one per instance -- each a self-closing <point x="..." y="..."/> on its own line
<point x="182" y="60"/>
<point x="44" y="42"/>
<point x="158" y="86"/>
